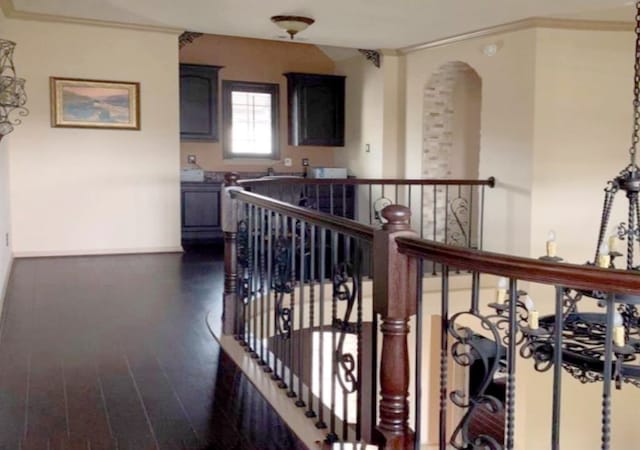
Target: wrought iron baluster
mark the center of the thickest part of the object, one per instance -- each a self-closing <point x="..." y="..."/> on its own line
<point x="312" y="297"/>
<point x="250" y="290"/>
<point x="357" y="273"/>
<point x="481" y="225"/>
<point x="446" y="215"/>
<point x="255" y="285"/>
<point x="300" y="341"/>
<point x="470" y="224"/>
<point x="557" y="369"/>
<point x="333" y="436"/>
<point x="511" y="364"/>
<point x="434" y="217"/>
<point x="331" y="199"/>
<point x="322" y="267"/>
<point x="292" y="298"/>
<point x="607" y="373"/>
<point x="444" y="349"/>
<point x="418" y="356"/>
<point x="270" y="335"/>
<point x="370" y="203"/>
<point x="262" y="316"/>
<point x="344" y="200"/>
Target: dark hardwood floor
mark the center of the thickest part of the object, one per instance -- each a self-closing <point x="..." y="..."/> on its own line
<point x="113" y="352"/>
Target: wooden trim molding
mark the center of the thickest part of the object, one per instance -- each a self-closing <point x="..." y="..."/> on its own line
<point x="11" y="12"/>
<point x="519" y="25"/>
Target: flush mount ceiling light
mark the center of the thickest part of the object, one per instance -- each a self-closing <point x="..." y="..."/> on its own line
<point x="292" y="24"/>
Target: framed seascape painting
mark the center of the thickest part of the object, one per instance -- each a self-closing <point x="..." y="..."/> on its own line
<point x="82" y="103"/>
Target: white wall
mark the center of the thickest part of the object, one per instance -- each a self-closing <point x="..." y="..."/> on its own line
<point x="506" y="127"/>
<point x="76" y="191"/>
<point x="5" y="220"/>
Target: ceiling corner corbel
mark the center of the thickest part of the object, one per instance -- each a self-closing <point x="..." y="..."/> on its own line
<point x="371" y="55"/>
<point x="188" y="37"/>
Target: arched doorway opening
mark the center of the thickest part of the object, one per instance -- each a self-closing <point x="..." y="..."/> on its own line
<point x="451" y="149"/>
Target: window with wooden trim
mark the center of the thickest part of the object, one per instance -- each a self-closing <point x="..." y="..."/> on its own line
<point x="250" y="119"/>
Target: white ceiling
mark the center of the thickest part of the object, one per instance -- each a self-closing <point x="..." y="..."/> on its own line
<point x="346" y="23"/>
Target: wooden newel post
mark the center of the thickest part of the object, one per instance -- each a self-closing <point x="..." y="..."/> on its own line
<point x="229" y="209"/>
<point x="395" y="299"/>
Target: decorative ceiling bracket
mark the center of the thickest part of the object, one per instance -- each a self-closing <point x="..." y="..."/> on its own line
<point x="188" y="37"/>
<point x="371" y="55"/>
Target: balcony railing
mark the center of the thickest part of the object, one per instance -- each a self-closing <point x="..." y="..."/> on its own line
<point x="376" y="349"/>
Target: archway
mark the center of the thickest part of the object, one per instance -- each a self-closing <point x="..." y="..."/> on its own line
<point x="451" y="149"/>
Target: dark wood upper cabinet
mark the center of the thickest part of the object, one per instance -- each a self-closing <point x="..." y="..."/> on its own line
<point x="316" y="109"/>
<point x="198" y="102"/>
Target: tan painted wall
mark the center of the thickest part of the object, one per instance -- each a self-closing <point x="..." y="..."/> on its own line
<point x="260" y="61"/>
<point x="76" y="191"/>
<point x="583" y="116"/>
<point x="5" y="219"/>
<point x="507" y="127"/>
<point x="364" y="115"/>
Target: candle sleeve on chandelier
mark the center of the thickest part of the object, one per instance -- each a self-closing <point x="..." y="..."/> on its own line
<point x="604" y="258"/>
<point x="502" y="290"/>
<point x="551" y="245"/>
<point x="613" y="243"/>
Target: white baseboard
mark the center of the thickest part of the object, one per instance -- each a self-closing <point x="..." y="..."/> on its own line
<point x="94" y="252"/>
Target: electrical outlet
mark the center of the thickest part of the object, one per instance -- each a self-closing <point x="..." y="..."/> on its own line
<point x="367" y="148"/>
<point x="288" y="162"/>
<point x="305" y="162"/>
<point x="191" y="159"/>
<point x="6" y="239"/>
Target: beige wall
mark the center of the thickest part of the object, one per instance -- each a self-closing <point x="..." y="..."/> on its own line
<point x="260" y="61"/>
<point x="5" y="219"/>
<point x="77" y="191"/>
<point x="364" y="118"/>
<point x="506" y="144"/>
<point x="583" y="116"/>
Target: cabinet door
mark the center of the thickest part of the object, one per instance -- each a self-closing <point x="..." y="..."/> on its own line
<point x="200" y="212"/>
<point x="198" y="102"/>
<point x="316" y="109"/>
<point x="201" y="209"/>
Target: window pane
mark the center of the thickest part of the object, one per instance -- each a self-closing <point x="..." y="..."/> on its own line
<point x="251" y="123"/>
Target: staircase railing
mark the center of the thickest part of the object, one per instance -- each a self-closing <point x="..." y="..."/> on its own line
<point x="443" y="210"/>
<point x="343" y="319"/>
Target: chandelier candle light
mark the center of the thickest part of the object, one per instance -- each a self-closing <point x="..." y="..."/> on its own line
<point x="583" y="339"/>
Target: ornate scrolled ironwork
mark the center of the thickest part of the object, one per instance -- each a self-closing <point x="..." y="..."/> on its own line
<point x="13" y="96"/>
<point x="458" y="222"/>
<point x="282" y="284"/>
<point x="467" y="349"/>
<point x="346" y="285"/>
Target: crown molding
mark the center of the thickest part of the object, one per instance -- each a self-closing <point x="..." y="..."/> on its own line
<point x="11" y="12"/>
<point x="535" y="22"/>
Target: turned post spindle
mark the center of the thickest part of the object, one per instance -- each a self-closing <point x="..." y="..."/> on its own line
<point x="229" y="210"/>
<point x="395" y="299"/>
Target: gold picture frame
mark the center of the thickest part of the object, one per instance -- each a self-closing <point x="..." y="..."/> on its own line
<point x="82" y="103"/>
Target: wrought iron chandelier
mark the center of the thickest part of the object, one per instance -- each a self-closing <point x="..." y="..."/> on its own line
<point x="584" y="333"/>
<point x="12" y="94"/>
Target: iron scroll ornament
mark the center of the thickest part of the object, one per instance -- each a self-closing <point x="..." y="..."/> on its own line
<point x="282" y="284"/>
<point x="346" y="286"/>
<point x="468" y="348"/>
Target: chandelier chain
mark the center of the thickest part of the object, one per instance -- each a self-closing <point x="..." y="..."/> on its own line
<point x="636" y="92"/>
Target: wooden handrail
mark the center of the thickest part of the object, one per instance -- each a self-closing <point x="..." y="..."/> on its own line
<point x="573" y="276"/>
<point x="335" y="223"/>
<point x="366" y="181"/>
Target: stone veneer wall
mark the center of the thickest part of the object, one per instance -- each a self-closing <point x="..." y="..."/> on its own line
<point x="438" y="143"/>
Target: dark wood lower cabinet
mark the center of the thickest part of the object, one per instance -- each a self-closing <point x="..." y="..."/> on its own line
<point x="201" y="212"/>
